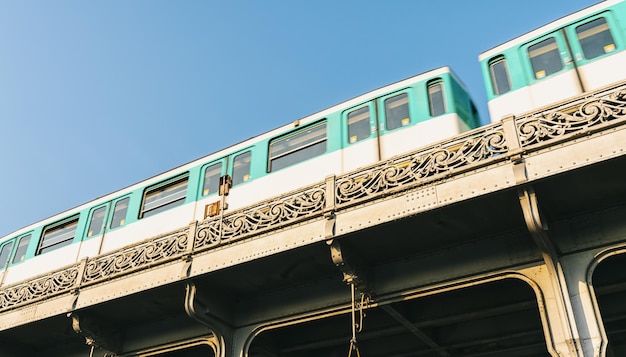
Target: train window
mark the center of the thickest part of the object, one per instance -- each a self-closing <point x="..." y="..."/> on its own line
<point x="119" y="213"/>
<point x="22" y="246"/>
<point x="58" y="235"/>
<point x="436" y="100"/>
<point x="397" y="111"/>
<point x="164" y="196"/>
<point x="297" y="147"/>
<point x="595" y="38"/>
<point x="5" y="251"/>
<point x="241" y="167"/>
<point x="500" y="79"/>
<point x="545" y="58"/>
<point x="212" y="178"/>
<point x="96" y="223"/>
<point x="359" y="124"/>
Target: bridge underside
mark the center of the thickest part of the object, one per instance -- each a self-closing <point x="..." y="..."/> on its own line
<point x="440" y="283"/>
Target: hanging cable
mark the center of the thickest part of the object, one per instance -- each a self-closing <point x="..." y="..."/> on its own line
<point x="353" y="344"/>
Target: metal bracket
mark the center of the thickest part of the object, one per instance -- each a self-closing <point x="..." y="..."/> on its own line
<point x="97" y="334"/>
<point x="350" y="275"/>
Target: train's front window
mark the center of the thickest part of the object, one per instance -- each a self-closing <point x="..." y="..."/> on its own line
<point x="500" y="79"/>
<point x="545" y="58"/>
<point x="595" y="38"/>
<point x="436" y="100"/>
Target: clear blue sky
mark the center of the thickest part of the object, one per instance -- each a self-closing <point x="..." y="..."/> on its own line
<point x="98" y="95"/>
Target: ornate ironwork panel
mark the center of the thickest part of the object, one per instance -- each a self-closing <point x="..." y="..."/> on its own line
<point x="268" y="215"/>
<point x="136" y="257"/>
<point x="39" y="288"/>
<point x="558" y="124"/>
<point x="416" y="168"/>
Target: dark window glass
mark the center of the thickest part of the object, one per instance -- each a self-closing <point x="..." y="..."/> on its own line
<point x="359" y="124"/>
<point x="119" y="213"/>
<point x="97" y="222"/>
<point x="545" y="58"/>
<point x="241" y="168"/>
<point x="397" y="111"/>
<point x="212" y="178"/>
<point x="57" y="236"/>
<point x="295" y="148"/>
<point x="163" y="197"/>
<point x="5" y="251"/>
<point x="22" y="246"/>
<point x="436" y="100"/>
<point x="500" y="76"/>
<point x="595" y="38"/>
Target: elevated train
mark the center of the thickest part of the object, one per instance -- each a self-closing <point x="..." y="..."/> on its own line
<point x="580" y="52"/>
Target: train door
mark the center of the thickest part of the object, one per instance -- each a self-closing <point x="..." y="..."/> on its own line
<point x="597" y="51"/>
<point x="396" y="120"/>
<point x="96" y="224"/>
<point x="360" y="140"/>
<point x="238" y="168"/>
<point x="553" y="74"/>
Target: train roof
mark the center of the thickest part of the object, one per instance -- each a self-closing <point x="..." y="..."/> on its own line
<point x="554" y="25"/>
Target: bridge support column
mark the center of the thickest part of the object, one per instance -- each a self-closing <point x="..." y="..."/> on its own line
<point x="198" y="309"/>
<point x="562" y="323"/>
<point x="576" y="271"/>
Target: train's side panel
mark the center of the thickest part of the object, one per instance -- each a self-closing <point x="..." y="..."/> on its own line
<point x="601" y="73"/>
<point x="363" y="154"/>
<point x="288" y="179"/>
<point x="359" y="136"/>
<point x="518" y="101"/>
<point x="145" y="228"/>
<point x="41" y="264"/>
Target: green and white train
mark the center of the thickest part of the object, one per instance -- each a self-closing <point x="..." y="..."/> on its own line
<point x="580" y="52"/>
<point x="570" y="56"/>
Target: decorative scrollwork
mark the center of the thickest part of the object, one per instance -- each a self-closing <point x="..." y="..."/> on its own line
<point x="136" y="257"/>
<point x="262" y="217"/>
<point x="556" y="124"/>
<point x="417" y="167"/>
<point x="40" y="288"/>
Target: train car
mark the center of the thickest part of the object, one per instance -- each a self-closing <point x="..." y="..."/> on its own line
<point x="575" y="54"/>
<point x="374" y="126"/>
